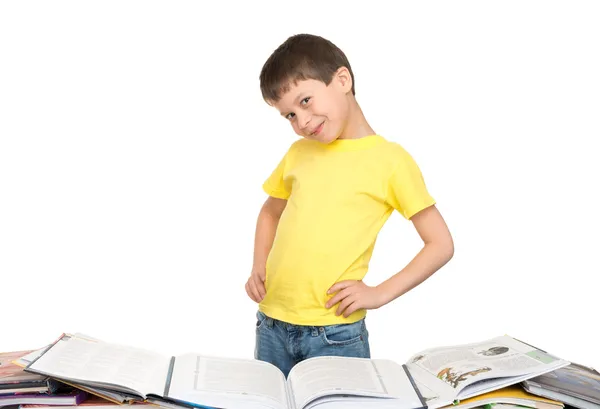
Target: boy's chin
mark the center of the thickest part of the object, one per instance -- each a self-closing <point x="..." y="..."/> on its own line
<point x="325" y="139"/>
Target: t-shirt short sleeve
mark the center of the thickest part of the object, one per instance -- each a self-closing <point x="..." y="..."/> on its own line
<point x="275" y="184"/>
<point x="407" y="192"/>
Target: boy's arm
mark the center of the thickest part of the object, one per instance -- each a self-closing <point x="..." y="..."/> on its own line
<point x="437" y="250"/>
<point x="266" y="226"/>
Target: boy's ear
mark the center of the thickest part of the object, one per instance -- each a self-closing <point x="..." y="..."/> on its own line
<point x="343" y="79"/>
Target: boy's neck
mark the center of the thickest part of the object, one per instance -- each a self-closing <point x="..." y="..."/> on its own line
<point x="357" y="125"/>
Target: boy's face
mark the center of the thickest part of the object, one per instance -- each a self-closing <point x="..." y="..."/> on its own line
<point x="315" y="110"/>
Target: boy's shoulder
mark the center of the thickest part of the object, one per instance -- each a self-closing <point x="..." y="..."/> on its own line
<point x="395" y="148"/>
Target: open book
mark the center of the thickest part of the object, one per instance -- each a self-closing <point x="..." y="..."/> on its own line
<point x="110" y="395"/>
<point x="433" y="378"/>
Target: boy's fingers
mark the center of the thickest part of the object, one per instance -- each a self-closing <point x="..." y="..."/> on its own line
<point x="255" y="294"/>
<point x="343" y="305"/>
<point x="337" y="298"/>
<point x="332" y="301"/>
<point x="255" y="285"/>
<point x="260" y="287"/>
<point x="249" y="291"/>
<point x="350" y="309"/>
<point x="340" y="286"/>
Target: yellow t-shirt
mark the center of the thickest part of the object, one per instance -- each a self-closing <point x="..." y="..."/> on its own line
<point x="339" y="195"/>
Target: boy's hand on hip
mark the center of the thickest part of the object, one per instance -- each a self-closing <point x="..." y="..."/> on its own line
<point x="353" y="295"/>
<point x="255" y="286"/>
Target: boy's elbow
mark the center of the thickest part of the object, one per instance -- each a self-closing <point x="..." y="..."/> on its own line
<point x="443" y="246"/>
<point x="447" y="248"/>
<point x="450" y="251"/>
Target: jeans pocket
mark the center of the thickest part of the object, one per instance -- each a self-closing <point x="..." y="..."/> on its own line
<point x="261" y="319"/>
<point x="343" y="334"/>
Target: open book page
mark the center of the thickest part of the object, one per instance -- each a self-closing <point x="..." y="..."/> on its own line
<point x="435" y="392"/>
<point x="479" y="367"/>
<point x="98" y="363"/>
<point x="25" y="360"/>
<point x="324" y="378"/>
<point x="430" y="394"/>
<point x="356" y="402"/>
<point x="227" y="382"/>
<point x="33" y="355"/>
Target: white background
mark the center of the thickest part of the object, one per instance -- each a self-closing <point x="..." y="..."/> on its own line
<point x="134" y="142"/>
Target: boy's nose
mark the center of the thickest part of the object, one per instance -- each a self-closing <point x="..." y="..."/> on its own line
<point x="303" y="121"/>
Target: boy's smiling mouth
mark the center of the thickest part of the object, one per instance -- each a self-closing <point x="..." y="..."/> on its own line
<point x="318" y="129"/>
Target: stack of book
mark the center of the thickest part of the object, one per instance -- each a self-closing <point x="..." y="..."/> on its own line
<point x="575" y="385"/>
<point x="19" y="388"/>
<point x="500" y="373"/>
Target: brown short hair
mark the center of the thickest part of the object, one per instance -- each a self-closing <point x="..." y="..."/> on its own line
<point x="301" y="57"/>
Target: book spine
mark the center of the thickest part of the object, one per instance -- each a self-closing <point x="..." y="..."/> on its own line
<point x="534" y="347"/>
<point x="414" y="385"/>
<point x="63" y="337"/>
<point x="169" y="376"/>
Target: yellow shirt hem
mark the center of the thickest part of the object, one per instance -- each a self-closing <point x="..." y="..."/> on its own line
<point x="299" y="319"/>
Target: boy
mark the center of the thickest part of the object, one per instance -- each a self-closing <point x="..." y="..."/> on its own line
<point x="328" y="199"/>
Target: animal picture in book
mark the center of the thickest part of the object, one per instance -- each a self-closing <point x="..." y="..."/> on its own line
<point x="455" y="378"/>
<point x="493" y="351"/>
<point x="417" y="359"/>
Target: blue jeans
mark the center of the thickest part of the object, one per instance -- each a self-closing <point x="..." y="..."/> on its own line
<point x="284" y="344"/>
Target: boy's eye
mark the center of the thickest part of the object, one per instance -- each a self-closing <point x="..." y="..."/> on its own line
<point x="291" y="115"/>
